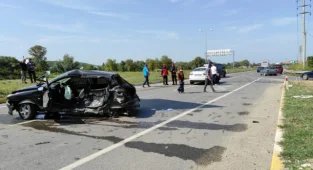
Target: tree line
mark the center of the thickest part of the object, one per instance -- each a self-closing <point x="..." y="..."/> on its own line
<point x="10" y="68"/>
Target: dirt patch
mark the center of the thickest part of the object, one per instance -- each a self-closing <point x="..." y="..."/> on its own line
<point x="247" y="104"/>
<point x="198" y="110"/>
<point x="243" y="113"/>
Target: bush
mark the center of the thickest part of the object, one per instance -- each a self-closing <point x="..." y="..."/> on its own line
<point x="310" y="61"/>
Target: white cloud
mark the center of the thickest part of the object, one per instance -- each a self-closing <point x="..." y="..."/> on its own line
<point x="9" y="6"/>
<point x="77" y="27"/>
<point x="109" y="14"/>
<point x="78" y="5"/>
<point x="283" y="21"/>
<point x="214" y="3"/>
<point x="231" y="12"/>
<point x="174" y="1"/>
<point x="160" y="34"/>
<point x="245" y="29"/>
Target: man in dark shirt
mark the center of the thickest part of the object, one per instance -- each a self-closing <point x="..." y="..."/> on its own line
<point x="31" y="70"/>
<point x="173" y="71"/>
<point x="23" y="70"/>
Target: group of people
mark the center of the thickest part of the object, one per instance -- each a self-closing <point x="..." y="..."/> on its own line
<point x="28" y="68"/>
<point x="211" y="72"/>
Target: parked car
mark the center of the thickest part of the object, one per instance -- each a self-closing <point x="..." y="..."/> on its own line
<point x="267" y="71"/>
<point x="307" y="75"/>
<point x="279" y="68"/>
<point x="259" y="69"/>
<point x="199" y="74"/>
<point x="76" y="91"/>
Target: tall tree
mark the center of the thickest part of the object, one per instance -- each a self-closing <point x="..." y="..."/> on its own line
<point x="130" y="65"/>
<point x="166" y="60"/>
<point x="39" y="52"/>
<point x="244" y="63"/>
<point x="121" y="66"/>
<point x="66" y="64"/>
<point x="198" y="62"/>
<point x="151" y="64"/>
<point x="111" y="65"/>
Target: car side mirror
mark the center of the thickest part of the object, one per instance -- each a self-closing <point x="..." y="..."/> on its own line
<point x="40" y="89"/>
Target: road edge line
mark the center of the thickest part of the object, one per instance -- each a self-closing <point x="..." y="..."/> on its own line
<point x="116" y="145"/>
<point x="277" y="162"/>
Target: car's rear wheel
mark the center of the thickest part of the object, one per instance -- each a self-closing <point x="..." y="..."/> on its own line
<point x="27" y="111"/>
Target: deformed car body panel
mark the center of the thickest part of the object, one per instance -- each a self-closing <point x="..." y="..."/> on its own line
<point x="96" y="92"/>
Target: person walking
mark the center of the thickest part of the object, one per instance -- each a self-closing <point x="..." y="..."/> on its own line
<point x="174" y="72"/>
<point x="146" y="75"/>
<point x="23" y="70"/>
<point x="31" y="70"/>
<point x="164" y="74"/>
<point x="214" y="72"/>
<point x="181" y="78"/>
<point x="208" y="78"/>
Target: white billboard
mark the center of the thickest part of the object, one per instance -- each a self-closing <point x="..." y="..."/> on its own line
<point x="220" y="52"/>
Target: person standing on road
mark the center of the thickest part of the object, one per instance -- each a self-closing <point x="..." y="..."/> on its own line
<point x="173" y="71"/>
<point x="146" y="75"/>
<point x="181" y="78"/>
<point x="214" y="72"/>
<point x="23" y="70"/>
<point x="208" y="78"/>
<point x="31" y="70"/>
<point x="164" y="74"/>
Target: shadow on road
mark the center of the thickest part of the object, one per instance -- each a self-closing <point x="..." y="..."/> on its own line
<point x="150" y="106"/>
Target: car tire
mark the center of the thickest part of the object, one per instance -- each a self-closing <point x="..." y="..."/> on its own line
<point x="305" y="77"/>
<point x="191" y="82"/>
<point x="27" y="111"/>
<point x="224" y="75"/>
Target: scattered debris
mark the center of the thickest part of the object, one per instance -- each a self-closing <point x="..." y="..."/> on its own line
<point x="255" y="121"/>
<point x="243" y="113"/>
<point x="170" y="109"/>
<point x="40" y="116"/>
<point x="303" y="96"/>
<point x="42" y="143"/>
<point x="153" y="109"/>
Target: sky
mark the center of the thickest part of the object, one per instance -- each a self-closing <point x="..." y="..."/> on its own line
<point x="95" y="30"/>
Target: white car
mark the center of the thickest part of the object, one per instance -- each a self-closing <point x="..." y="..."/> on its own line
<point x="199" y="75"/>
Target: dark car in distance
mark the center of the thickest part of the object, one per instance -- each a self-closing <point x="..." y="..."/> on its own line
<point x="221" y="70"/>
<point x="307" y="75"/>
<point x="259" y="69"/>
<point x="78" y="92"/>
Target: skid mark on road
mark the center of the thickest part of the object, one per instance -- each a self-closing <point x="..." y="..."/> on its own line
<point x="131" y="138"/>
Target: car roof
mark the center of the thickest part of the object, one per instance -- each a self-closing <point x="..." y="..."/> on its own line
<point x="90" y="73"/>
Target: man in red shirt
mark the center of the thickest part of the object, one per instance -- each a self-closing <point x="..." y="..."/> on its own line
<point x="181" y="79"/>
<point x="164" y="74"/>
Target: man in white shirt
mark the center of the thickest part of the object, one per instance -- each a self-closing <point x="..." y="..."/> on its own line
<point x="214" y="72"/>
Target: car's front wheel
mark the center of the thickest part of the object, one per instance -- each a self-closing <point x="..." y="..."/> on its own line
<point x="191" y="82"/>
<point x="27" y="111"/>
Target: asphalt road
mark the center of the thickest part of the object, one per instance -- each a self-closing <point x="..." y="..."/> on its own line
<point x="233" y="128"/>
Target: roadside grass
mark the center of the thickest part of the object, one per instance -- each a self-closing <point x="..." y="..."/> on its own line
<point x="297" y="141"/>
<point x="299" y="67"/>
<point x="7" y="86"/>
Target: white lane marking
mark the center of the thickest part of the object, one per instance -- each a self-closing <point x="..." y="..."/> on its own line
<point x="26" y="122"/>
<point x="108" y="149"/>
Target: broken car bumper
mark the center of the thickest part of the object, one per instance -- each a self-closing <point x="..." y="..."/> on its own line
<point x="10" y="107"/>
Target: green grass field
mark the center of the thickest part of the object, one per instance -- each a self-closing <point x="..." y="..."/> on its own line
<point x="7" y="86"/>
<point x="298" y="125"/>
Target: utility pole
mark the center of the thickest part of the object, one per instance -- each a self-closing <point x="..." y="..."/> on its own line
<point x="303" y="29"/>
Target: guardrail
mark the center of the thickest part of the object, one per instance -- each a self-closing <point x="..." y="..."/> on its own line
<point x="293" y="71"/>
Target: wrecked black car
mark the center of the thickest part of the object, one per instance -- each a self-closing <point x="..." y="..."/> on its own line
<point x="77" y="91"/>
